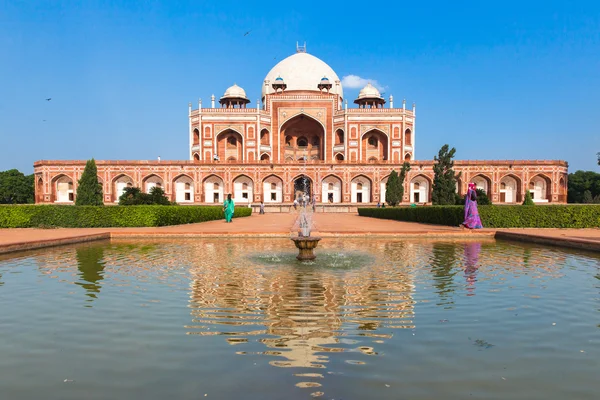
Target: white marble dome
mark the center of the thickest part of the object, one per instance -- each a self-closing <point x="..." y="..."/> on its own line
<point x="302" y="71"/>
<point x="234" y="92"/>
<point x="369" y="92"/>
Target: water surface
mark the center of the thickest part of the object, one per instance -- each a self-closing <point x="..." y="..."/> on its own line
<point x="242" y="319"/>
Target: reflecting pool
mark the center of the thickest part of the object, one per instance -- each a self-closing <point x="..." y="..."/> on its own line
<point x="243" y="319"/>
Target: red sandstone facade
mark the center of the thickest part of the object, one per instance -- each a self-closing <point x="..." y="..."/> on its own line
<point x="303" y="138"/>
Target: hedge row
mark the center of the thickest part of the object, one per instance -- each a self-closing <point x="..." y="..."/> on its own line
<point x="550" y="216"/>
<point x="66" y="216"/>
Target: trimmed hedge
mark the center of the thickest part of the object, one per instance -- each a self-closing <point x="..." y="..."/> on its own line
<point x="66" y="216"/>
<point x="547" y="216"/>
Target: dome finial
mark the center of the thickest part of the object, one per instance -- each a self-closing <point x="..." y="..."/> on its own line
<point x="300" y="49"/>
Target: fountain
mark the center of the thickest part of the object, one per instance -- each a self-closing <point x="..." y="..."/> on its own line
<point x="304" y="241"/>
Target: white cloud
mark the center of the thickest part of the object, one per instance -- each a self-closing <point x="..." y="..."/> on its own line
<point x="356" y="82"/>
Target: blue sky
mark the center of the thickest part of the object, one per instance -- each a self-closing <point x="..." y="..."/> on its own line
<point x="496" y="80"/>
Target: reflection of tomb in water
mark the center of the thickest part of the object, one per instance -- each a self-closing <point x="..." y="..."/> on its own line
<point x="306" y="313"/>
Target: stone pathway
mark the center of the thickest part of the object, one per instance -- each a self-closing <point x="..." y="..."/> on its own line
<point x="280" y="225"/>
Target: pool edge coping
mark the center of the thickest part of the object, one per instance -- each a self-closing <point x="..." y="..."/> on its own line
<point x="575" y="243"/>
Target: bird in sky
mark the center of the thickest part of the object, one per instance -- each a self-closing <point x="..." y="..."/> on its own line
<point x="49" y="98"/>
<point x="247" y="33"/>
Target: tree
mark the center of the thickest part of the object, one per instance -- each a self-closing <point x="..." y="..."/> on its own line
<point x="89" y="190"/>
<point x="528" y="200"/>
<point x="16" y="187"/>
<point x="598" y="155"/>
<point x="157" y="196"/>
<point x="444" y="181"/>
<point x="394" y="188"/>
<point x="587" y="197"/>
<point x="579" y="182"/>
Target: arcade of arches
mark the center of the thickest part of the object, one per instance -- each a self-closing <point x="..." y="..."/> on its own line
<point x="186" y="185"/>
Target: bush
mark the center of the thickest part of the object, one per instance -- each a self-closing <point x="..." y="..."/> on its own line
<point x="32" y="216"/>
<point x="133" y="196"/>
<point x="551" y="216"/>
<point x="528" y="199"/>
<point x="482" y="198"/>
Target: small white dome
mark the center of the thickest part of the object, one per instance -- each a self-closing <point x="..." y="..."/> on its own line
<point x="369" y="92"/>
<point x="302" y="71"/>
<point x="234" y="92"/>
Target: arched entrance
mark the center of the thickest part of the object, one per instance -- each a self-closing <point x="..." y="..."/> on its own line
<point x="508" y="189"/>
<point x="62" y="188"/>
<point x="302" y="187"/>
<point x="374" y="146"/>
<point x="332" y="189"/>
<point x="303" y="138"/>
<point x="230" y="145"/>
<point x="539" y="186"/>
<point x="419" y="189"/>
<point x="152" y="181"/>
<point x="120" y="183"/>
<point x="272" y="189"/>
<point x="484" y="183"/>
<point x="243" y="189"/>
<point x="214" y="190"/>
<point x="360" y="190"/>
<point x="184" y="189"/>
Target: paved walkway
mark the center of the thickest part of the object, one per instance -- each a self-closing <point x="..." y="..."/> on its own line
<point x="274" y="225"/>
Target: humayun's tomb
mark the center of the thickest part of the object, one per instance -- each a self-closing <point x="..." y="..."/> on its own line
<point x="301" y="136"/>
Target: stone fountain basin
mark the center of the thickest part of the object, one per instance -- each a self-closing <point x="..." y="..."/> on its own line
<point x="306" y="245"/>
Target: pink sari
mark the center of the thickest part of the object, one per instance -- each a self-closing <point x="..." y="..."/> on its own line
<point x="472" y="220"/>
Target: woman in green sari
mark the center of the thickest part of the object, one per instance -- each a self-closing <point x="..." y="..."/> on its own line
<point x="228" y="207"/>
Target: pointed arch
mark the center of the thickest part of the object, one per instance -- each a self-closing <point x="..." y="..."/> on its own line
<point x="230" y="144"/>
<point x="484" y="182"/>
<point x="272" y="189"/>
<point x="183" y="188"/>
<point x="118" y="185"/>
<point x="408" y="137"/>
<point x="509" y="189"/>
<point x="303" y="114"/>
<point x="540" y="186"/>
<point x="152" y="180"/>
<point x="243" y="188"/>
<point x="339" y="137"/>
<point x="214" y="189"/>
<point x="303" y="136"/>
<point x="62" y="188"/>
<point x="374" y="145"/>
<point x="361" y="189"/>
<point x="420" y="189"/>
<point x="304" y="186"/>
<point x="39" y="189"/>
<point x="331" y="189"/>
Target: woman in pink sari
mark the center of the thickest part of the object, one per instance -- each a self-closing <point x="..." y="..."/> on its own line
<point x="472" y="220"/>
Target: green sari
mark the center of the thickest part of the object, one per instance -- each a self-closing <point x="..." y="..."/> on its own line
<point x="228" y="207"/>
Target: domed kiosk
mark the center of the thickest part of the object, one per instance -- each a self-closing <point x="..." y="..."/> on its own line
<point x="369" y="97"/>
<point x="234" y="97"/>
